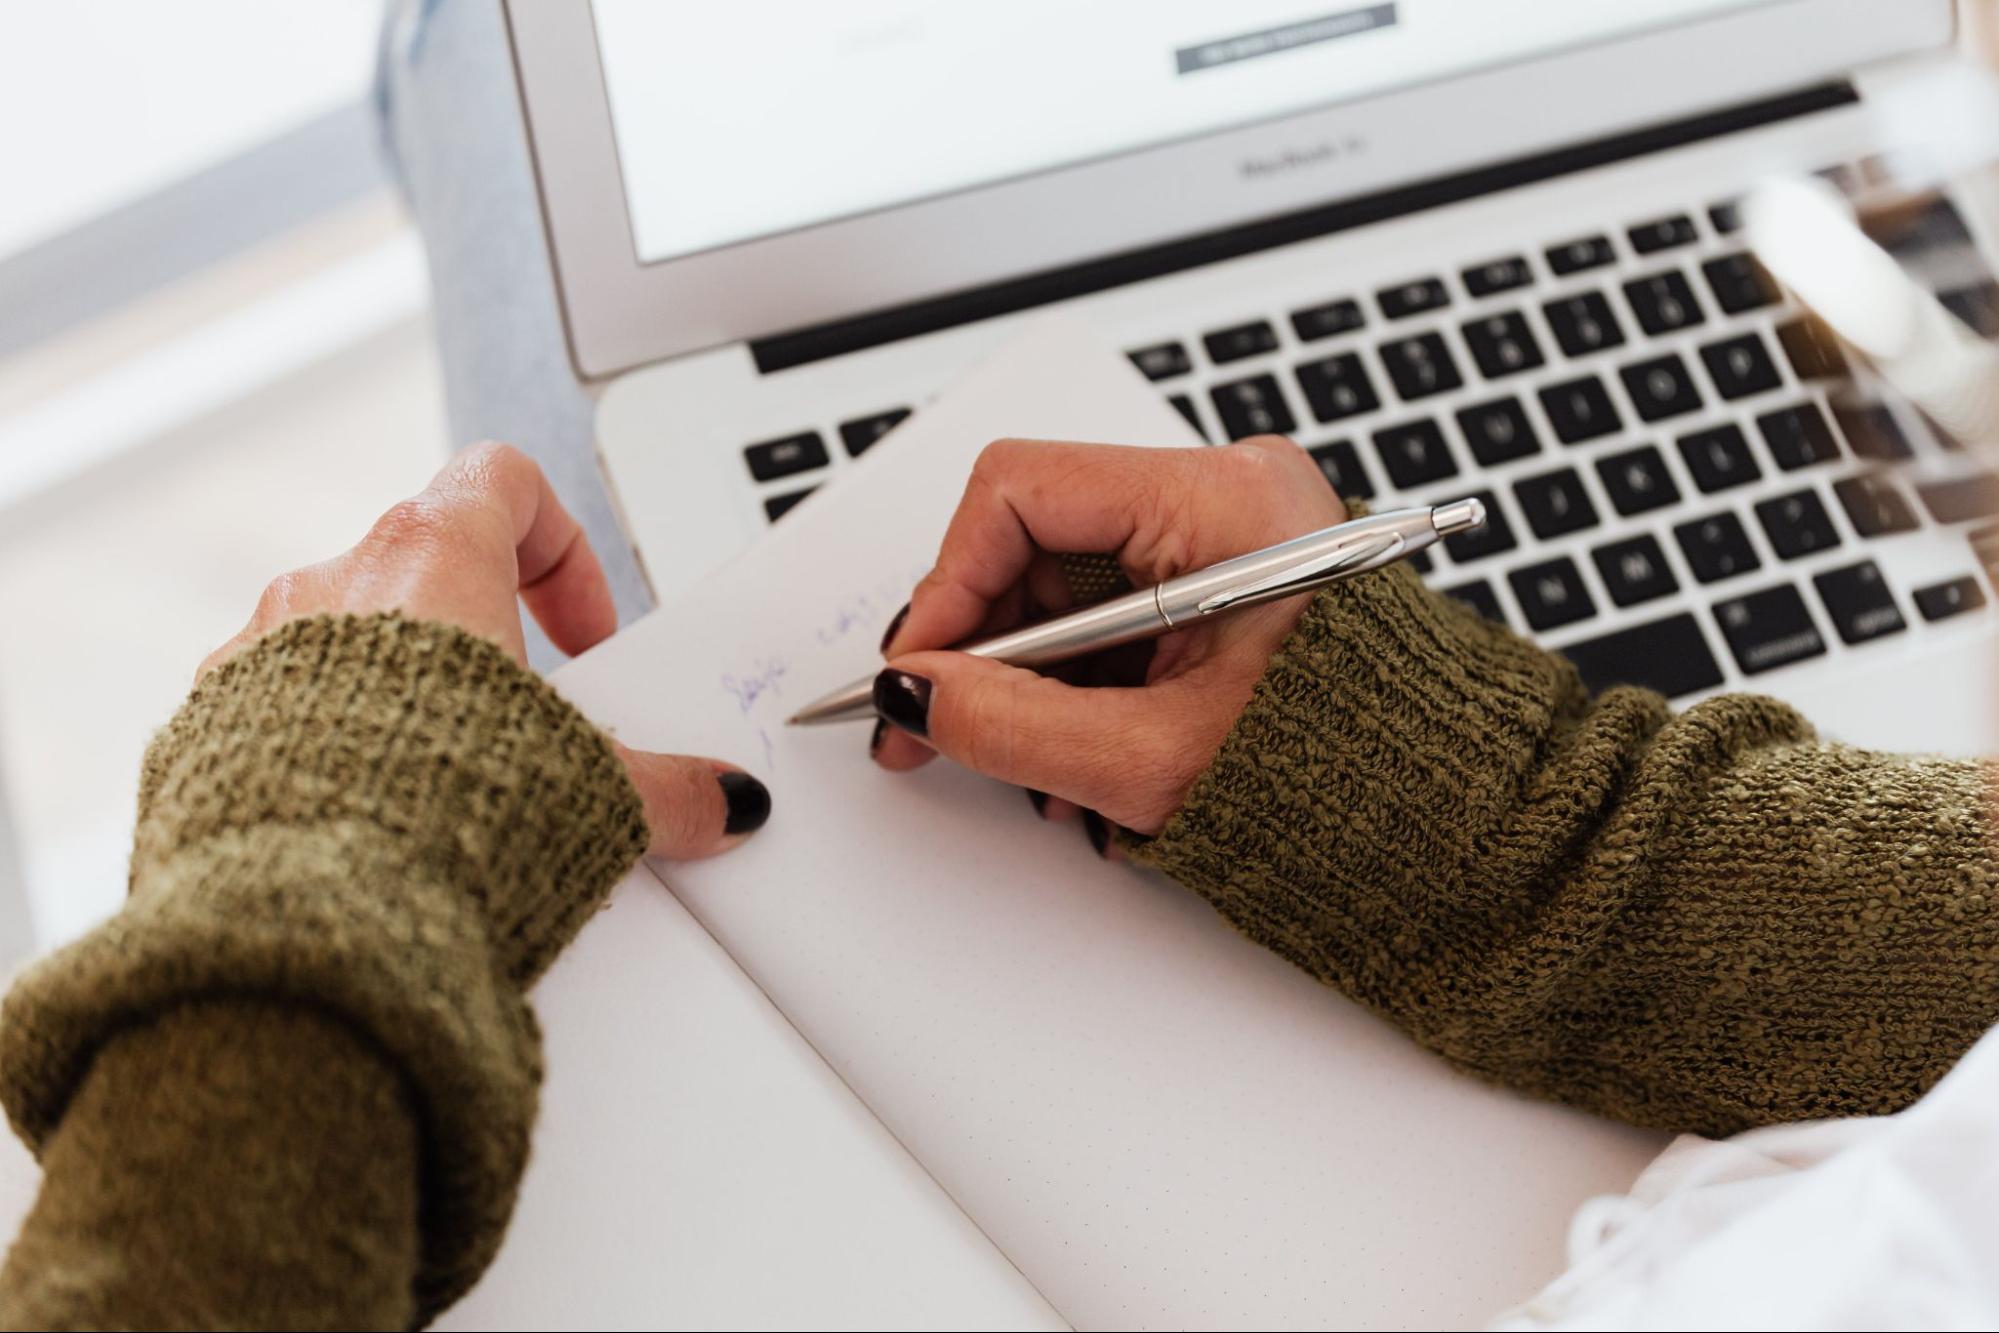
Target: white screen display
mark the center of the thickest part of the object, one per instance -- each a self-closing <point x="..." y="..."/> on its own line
<point x="737" y="119"/>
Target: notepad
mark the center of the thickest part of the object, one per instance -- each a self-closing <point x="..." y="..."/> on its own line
<point x="1155" y="1121"/>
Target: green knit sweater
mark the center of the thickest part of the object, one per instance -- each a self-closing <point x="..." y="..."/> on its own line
<point x="291" y="1083"/>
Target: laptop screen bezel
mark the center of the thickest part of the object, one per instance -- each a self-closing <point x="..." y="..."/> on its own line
<point x="619" y="312"/>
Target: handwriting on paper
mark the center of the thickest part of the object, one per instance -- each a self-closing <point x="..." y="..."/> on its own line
<point x="757" y="687"/>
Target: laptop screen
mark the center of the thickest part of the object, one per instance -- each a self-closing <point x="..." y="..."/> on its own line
<point x="749" y="118"/>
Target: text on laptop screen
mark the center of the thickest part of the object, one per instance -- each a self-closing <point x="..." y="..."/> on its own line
<point x="745" y="119"/>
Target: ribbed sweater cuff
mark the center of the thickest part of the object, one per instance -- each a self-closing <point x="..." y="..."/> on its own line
<point x="1390" y="735"/>
<point x="381" y="819"/>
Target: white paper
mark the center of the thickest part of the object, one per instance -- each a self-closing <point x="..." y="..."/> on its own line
<point x="1160" y="1123"/>
<point x="697" y="1166"/>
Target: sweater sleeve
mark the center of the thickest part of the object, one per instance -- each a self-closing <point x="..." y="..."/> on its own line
<point x="1699" y="922"/>
<point x="358" y="842"/>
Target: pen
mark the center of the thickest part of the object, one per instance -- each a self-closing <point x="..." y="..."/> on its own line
<point x="1284" y="570"/>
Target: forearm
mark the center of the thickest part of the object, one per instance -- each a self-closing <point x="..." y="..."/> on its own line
<point x="228" y="1164"/>
<point x="373" y="833"/>
<point x="1699" y="922"/>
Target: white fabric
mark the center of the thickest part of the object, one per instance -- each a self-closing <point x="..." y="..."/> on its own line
<point x="1876" y="1223"/>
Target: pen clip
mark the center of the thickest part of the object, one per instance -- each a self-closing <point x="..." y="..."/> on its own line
<point x="1305" y="577"/>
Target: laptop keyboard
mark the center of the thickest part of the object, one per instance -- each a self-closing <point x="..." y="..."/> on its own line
<point x="1604" y="395"/>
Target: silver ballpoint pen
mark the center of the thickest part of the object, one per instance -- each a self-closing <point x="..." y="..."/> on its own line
<point x="1285" y="570"/>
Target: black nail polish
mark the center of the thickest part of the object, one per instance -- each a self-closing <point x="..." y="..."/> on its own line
<point x="888" y="635"/>
<point x="1099" y="831"/>
<point x="881" y="734"/>
<point x="1040" y="801"/>
<point x="903" y="697"/>
<point x="749" y="802"/>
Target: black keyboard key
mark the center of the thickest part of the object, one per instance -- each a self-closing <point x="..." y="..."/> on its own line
<point x="1717" y="547"/>
<point x="1961" y="500"/>
<point x="1977" y="305"/>
<point x="1740" y="367"/>
<point x="1875" y="506"/>
<point x="1338" y="387"/>
<point x="1941" y="601"/>
<point x="1503" y="345"/>
<point x="1326" y="321"/>
<point x="1797" y="524"/>
<point x="1661" y="388"/>
<point x="1254" y="406"/>
<point x="1798" y="436"/>
<point x="1671" y="656"/>
<point x="777" y="506"/>
<point x="1340" y="461"/>
<point x="1768" y="629"/>
<point x="1637" y="481"/>
<point x="1648" y="238"/>
<point x="1576" y="256"/>
<point x="1422" y="563"/>
<point x="1580" y="410"/>
<point x="1413" y="298"/>
<point x="1635" y="570"/>
<point x="1555" y="503"/>
<point x="1871" y="431"/>
<point x="1584" y="323"/>
<point x="1489" y="538"/>
<point x="1162" y="361"/>
<point x="1479" y="597"/>
<point x="1185" y="407"/>
<point x="1421" y="366"/>
<point x="1664" y="302"/>
<point x="1719" y="458"/>
<point x="1813" y="351"/>
<point x="1244" y="340"/>
<point x="1498" y="432"/>
<point x="785" y="457"/>
<point x="1739" y="283"/>
<point x="1498" y="275"/>
<point x="1858" y="600"/>
<point x="1551" y="594"/>
<point x="860" y="436"/>
<point x="1726" y="217"/>
<point x="1912" y="236"/>
<point x="1415" y="454"/>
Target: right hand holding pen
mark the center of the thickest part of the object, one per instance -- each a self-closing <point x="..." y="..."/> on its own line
<point x="1131" y="750"/>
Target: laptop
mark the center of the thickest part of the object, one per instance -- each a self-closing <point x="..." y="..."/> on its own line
<point x="1452" y="247"/>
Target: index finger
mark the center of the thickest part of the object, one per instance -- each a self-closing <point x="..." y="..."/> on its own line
<point x="557" y="573"/>
<point x="1027" y="496"/>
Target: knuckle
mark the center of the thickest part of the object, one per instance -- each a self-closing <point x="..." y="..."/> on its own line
<point x="414" y="524"/>
<point x="278" y="597"/>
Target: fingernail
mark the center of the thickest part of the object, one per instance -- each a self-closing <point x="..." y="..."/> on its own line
<point x="1099" y="831"/>
<point x="888" y="635"/>
<point x="749" y="802"/>
<point x="903" y="697"/>
<point x="881" y="734"/>
<point x="1040" y="800"/>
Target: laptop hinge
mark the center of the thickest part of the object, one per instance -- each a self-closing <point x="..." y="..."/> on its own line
<point x="836" y="338"/>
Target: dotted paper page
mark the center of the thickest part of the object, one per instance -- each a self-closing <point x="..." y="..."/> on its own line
<point x="1160" y="1123"/>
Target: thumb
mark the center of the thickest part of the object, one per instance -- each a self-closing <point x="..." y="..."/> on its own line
<point x="1104" y="748"/>
<point x="695" y="807"/>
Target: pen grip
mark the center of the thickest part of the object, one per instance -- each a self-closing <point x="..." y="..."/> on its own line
<point x="1120" y="620"/>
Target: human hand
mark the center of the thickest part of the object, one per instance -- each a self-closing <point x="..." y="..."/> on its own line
<point x="486" y="535"/>
<point x="1126" y="752"/>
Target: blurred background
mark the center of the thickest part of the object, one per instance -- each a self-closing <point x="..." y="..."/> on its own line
<point x="214" y="365"/>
